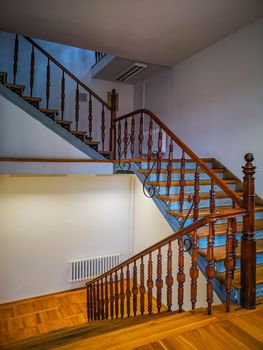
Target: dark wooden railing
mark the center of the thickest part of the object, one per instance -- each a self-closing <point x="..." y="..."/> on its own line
<point x="129" y="288"/>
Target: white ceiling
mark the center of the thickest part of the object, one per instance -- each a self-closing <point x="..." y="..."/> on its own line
<point x="163" y="32"/>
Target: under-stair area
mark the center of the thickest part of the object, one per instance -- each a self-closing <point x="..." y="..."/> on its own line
<point x="217" y="222"/>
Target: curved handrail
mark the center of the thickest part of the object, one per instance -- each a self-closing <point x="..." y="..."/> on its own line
<point x="223" y="214"/>
<point x="65" y="70"/>
<point x="187" y="150"/>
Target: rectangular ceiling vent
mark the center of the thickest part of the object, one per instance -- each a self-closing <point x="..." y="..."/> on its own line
<point x="130" y="71"/>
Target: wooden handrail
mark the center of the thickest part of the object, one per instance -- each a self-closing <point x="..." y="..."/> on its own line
<point x="65" y="70"/>
<point x="187" y="150"/>
<point x="223" y="214"/>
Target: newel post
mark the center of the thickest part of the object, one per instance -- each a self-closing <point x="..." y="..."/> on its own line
<point x="113" y="125"/>
<point x="248" y="243"/>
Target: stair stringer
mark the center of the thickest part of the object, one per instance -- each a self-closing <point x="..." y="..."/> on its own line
<point x="48" y="123"/>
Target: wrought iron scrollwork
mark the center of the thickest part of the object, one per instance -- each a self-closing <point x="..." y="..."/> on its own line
<point x="149" y="191"/>
<point x="125" y="166"/>
<point x="188" y="241"/>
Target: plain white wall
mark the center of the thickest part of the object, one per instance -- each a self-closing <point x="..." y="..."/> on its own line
<point x="48" y="220"/>
<point x="214" y="100"/>
<point x="149" y="227"/>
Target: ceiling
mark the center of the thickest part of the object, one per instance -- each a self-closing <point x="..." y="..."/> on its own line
<point x="163" y="32"/>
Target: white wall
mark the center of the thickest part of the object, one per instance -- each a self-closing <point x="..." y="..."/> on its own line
<point x="48" y="220"/>
<point x="76" y="60"/>
<point x="214" y="100"/>
<point x="150" y="227"/>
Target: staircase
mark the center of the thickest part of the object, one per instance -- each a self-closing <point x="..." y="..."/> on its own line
<point x="212" y="213"/>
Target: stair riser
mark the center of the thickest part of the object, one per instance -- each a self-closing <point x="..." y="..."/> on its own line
<point x="176" y="177"/>
<point x="203" y="203"/>
<point x="221" y="268"/>
<point x="50" y="115"/>
<point x="190" y="189"/>
<point x="80" y="137"/>
<point x="95" y="147"/>
<point x="65" y="126"/>
<point x="221" y="240"/>
<point x="19" y="92"/>
<point x="177" y="165"/>
<point x="33" y="103"/>
<point x="3" y="79"/>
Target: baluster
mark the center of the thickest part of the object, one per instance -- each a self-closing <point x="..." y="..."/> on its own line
<point x="126" y="138"/>
<point x="134" y="289"/>
<point x="48" y="83"/>
<point x="106" y="298"/>
<point x="102" y="299"/>
<point x="98" y="300"/>
<point x="159" y="281"/>
<point x="32" y="70"/>
<point x="212" y="197"/>
<point x="196" y="194"/>
<point x="103" y="128"/>
<point x="169" y="167"/>
<point x="150" y="283"/>
<point x="169" y="277"/>
<point x="182" y="182"/>
<point x="128" y="291"/>
<point x="15" y="58"/>
<point x="116" y="295"/>
<point x="90" y="118"/>
<point x="88" y="303"/>
<point x="180" y="274"/>
<point x="119" y="140"/>
<point x="111" y="298"/>
<point x="150" y="143"/>
<point x="159" y="154"/>
<point x="132" y="136"/>
<point x="210" y="268"/>
<point x="235" y="241"/>
<point x="141" y="137"/>
<point x="122" y="294"/>
<point x="77" y="107"/>
<point x="142" y="287"/>
<point x="62" y="95"/>
<point x="229" y="262"/>
<point x="94" y="301"/>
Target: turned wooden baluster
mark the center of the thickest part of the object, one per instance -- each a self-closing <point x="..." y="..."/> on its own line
<point x="169" y="277"/>
<point x="150" y="283"/>
<point x="142" y="287"/>
<point x="90" y="117"/>
<point x="210" y="268"/>
<point x="32" y="70"/>
<point x="229" y="262"/>
<point x="169" y="167"/>
<point x="182" y="182"/>
<point x="116" y="295"/>
<point x="194" y="272"/>
<point x="111" y="297"/>
<point x="212" y="197"/>
<point x="48" y="84"/>
<point x="122" y="294"/>
<point x="106" y="298"/>
<point x="159" y="154"/>
<point x="102" y="303"/>
<point x="128" y="290"/>
<point x="180" y="274"/>
<point x="150" y="143"/>
<point x="15" y="64"/>
<point x="98" y="299"/>
<point x="141" y="137"/>
<point x="94" y="301"/>
<point x="126" y="138"/>
<point x="119" y="140"/>
<point x="77" y="107"/>
<point x="103" y="128"/>
<point x="235" y="241"/>
<point x="159" y="281"/>
<point x="132" y="136"/>
<point x="134" y="289"/>
<point x="62" y="95"/>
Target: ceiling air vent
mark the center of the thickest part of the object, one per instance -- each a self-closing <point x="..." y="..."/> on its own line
<point x="130" y="71"/>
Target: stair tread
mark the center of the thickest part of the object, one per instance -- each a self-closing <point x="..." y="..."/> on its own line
<point x="92" y="142"/>
<point x="220" y="229"/>
<point x="79" y="132"/>
<point x="106" y="152"/>
<point x="188" y="182"/>
<point x="32" y="98"/>
<point x="177" y="171"/>
<point x="18" y="86"/>
<point x="204" y="195"/>
<point x="220" y="252"/>
<point x="62" y="121"/>
<point x="236" y="281"/>
<point x="50" y="110"/>
<point x="3" y="73"/>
